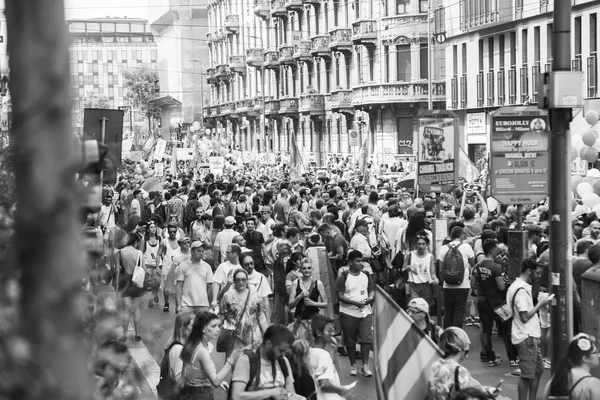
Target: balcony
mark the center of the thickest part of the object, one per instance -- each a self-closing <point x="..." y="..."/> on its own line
<point x="380" y="93"/>
<point x="241" y="107"/>
<point x="278" y="9"/>
<point x="313" y="2"/>
<point x="288" y="106"/>
<point x="303" y="51"/>
<point x="312" y="104"/>
<point x="340" y="39"/>
<point x="364" y="32"/>
<point x="262" y="9"/>
<point x="341" y="100"/>
<point x="233" y="112"/>
<point x="257" y="106"/>
<point x="222" y="72"/>
<point x="227" y="108"/>
<point x="320" y="46"/>
<point x="293" y="5"/>
<point x="272" y="59"/>
<point x="215" y="111"/>
<point x="286" y="55"/>
<point x="271" y="107"/>
<point x="210" y="75"/>
<point x="237" y="64"/>
<point x="254" y="57"/>
<point x="232" y="23"/>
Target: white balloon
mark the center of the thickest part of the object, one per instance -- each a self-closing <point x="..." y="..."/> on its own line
<point x="584" y="188"/>
<point x="492" y="203"/>
<point x="596" y="209"/>
<point x="594" y="172"/>
<point x="591" y="117"/>
<point x="590" y="200"/>
<point x="577" y="142"/>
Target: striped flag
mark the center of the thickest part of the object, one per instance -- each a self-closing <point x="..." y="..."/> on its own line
<point x="466" y="168"/>
<point x="364" y="154"/>
<point x="296" y="164"/>
<point x="403" y="352"/>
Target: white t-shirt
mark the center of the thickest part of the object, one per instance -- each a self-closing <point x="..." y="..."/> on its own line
<point x="223" y="240"/>
<point x="259" y="283"/>
<point x="523" y="301"/>
<point x="354" y="287"/>
<point x="195" y="277"/>
<point x="224" y="273"/>
<point x="323" y="368"/>
<point x="467" y="253"/>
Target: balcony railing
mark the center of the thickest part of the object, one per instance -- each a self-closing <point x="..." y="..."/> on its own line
<point x="501" y="87"/>
<point x="592" y="76"/>
<point x="293" y="5"/>
<point x="222" y="72"/>
<point x="340" y="39"/>
<point x="454" y="92"/>
<point x="288" y="105"/>
<point x="463" y="91"/>
<point x="312" y="104"/>
<point x="512" y="86"/>
<point x="272" y="59"/>
<point x="272" y="107"/>
<point x="262" y="8"/>
<point x="480" y="89"/>
<point x="210" y="75"/>
<point x="278" y="9"/>
<point x="524" y="84"/>
<point x="320" y="46"/>
<point x="242" y="106"/>
<point x="286" y="55"/>
<point x="254" y="57"/>
<point x="341" y="99"/>
<point x="232" y="23"/>
<point x="490" y="89"/>
<point x="364" y="32"/>
<point x="535" y="82"/>
<point x="237" y="64"/>
<point x="397" y="92"/>
<point x="227" y="108"/>
<point x="303" y="51"/>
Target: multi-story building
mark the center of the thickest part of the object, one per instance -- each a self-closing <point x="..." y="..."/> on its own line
<point x="100" y="51"/>
<point x="179" y="27"/>
<point x="316" y="70"/>
<point x="496" y="52"/>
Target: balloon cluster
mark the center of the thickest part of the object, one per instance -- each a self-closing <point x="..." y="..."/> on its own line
<point x="143" y="171"/>
<point x="586" y="147"/>
<point x="206" y="145"/>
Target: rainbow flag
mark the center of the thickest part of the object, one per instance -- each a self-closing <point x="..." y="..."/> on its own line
<point x="296" y="164"/>
<point x="403" y="352"/>
<point x="466" y="168"/>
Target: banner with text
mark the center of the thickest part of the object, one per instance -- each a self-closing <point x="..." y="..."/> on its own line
<point x="519" y="155"/>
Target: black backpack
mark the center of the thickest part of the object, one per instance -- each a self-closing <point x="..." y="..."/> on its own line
<point x="254" y="359"/>
<point x="189" y="213"/>
<point x="167" y="386"/>
<point x="453" y="271"/>
<point x="146" y="212"/>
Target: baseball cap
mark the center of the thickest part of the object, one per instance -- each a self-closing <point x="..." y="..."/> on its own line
<point x="184" y="239"/>
<point x="229" y="220"/>
<point x="420" y="304"/>
<point x="198" y="243"/>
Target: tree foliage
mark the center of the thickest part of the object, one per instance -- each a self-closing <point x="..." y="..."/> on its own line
<point x="94" y="100"/>
<point x="140" y="85"/>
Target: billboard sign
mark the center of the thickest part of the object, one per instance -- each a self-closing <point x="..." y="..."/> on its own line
<point x="437" y="161"/>
<point x="519" y="155"/>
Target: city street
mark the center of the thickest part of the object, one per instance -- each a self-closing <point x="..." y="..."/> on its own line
<point x="157" y="329"/>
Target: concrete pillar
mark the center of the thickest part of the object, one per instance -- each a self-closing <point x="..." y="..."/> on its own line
<point x="415" y="59"/>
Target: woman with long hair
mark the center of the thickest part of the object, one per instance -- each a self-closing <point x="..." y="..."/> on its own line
<point x="304" y="383"/>
<point x="181" y="331"/>
<point x="199" y="372"/>
<point x="152" y="242"/>
<point x="420" y="264"/>
<point x="253" y="323"/>
<point x="416" y="224"/>
<point x="131" y="296"/>
<point x="573" y="377"/>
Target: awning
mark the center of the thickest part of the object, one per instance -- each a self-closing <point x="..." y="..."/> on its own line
<point x="165" y="101"/>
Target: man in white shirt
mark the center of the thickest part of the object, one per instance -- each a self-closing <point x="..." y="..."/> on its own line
<point x="455" y="295"/>
<point x="136" y="204"/>
<point x="224" y="274"/>
<point x="106" y="217"/>
<point x="526" y="331"/>
<point x="259" y="283"/>
<point x="224" y="239"/>
<point x="194" y="281"/>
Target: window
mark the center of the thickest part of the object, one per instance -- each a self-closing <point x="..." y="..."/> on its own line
<point x="474" y="13"/>
<point x="386" y="60"/>
<point x="454" y="60"/>
<point x="577" y="36"/>
<point x="423" y="6"/>
<point x="123" y="28"/>
<point x="96" y="79"/>
<point x="110" y="68"/>
<point x="536" y="44"/>
<point x="77" y="27"/>
<point x="403" y="63"/>
<point x="464" y="58"/>
<point x="111" y="93"/>
<point x="371" y="54"/>
<point x="138" y="55"/>
<point x="95" y="68"/>
<point x="124" y="55"/>
<point x="111" y="79"/>
<point x="481" y="54"/>
<point x="137" y="28"/>
<point x="524" y="46"/>
<point x="513" y="49"/>
<point x="88" y="79"/>
<point x="593" y="33"/>
<point x="549" y="29"/>
<point x="359" y="66"/>
<point x="108" y="27"/>
<point x="109" y="55"/>
<point x="80" y="68"/>
<point x="402" y="6"/>
<point x="501" y="51"/>
<point x="491" y="53"/>
<point x="79" y="55"/>
<point x="424" y="61"/>
<point x="93" y="27"/>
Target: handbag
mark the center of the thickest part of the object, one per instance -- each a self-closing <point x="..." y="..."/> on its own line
<point x="139" y="275"/>
<point x="505" y="312"/>
<point x="227" y="336"/>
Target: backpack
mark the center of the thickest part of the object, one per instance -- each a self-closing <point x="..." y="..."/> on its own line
<point x="189" y="213"/>
<point x="167" y="386"/>
<point x="146" y="213"/>
<point x="453" y="272"/>
<point x="254" y="359"/>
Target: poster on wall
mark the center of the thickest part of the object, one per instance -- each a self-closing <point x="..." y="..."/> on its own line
<point x="437" y="164"/>
<point x="519" y="155"/>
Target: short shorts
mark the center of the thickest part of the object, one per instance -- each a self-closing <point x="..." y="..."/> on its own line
<point x="530" y="358"/>
<point x="356" y="330"/>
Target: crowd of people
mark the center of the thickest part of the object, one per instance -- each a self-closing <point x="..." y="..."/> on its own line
<point x="228" y="257"/>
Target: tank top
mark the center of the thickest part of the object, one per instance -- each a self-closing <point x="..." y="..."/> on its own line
<point x="194" y="372"/>
<point x="151" y="253"/>
<point x="169" y="254"/>
<point x="303" y="311"/>
<point x="423" y="266"/>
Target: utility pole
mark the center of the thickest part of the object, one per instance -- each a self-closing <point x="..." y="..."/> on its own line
<point x="48" y="249"/>
<point x="560" y="209"/>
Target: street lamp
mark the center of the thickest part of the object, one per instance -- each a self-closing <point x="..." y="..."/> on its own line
<point x="201" y="91"/>
<point x="262" y="79"/>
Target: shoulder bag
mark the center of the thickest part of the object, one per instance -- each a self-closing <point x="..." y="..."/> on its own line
<point x="226" y="338"/>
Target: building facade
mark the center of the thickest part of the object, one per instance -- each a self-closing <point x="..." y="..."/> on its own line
<point x="333" y="75"/>
<point x="179" y="28"/>
<point x="100" y="51"/>
<point x="496" y="52"/>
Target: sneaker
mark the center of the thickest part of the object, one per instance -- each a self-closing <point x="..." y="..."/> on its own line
<point x="342" y="352"/>
<point x="166" y="307"/>
<point x="366" y="371"/>
<point x="353" y="370"/>
<point x="516" y="372"/>
<point x="494" y="363"/>
<point x="514" y="363"/>
<point x="547" y="364"/>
